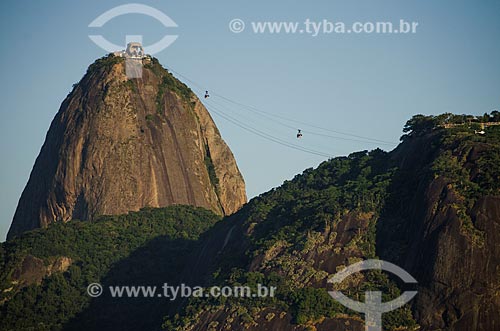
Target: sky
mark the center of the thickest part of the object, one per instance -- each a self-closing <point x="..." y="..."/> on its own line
<point x="364" y="84"/>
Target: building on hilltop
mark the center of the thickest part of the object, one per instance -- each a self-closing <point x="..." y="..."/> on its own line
<point x="134" y="51"/>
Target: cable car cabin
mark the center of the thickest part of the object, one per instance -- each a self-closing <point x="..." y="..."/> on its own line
<point x="299" y="134"/>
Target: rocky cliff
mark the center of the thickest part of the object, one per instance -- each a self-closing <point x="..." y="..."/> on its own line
<point x="442" y="224"/>
<point x="431" y="206"/>
<point x="120" y="144"/>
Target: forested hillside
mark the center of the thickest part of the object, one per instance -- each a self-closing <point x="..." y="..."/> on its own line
<point x="431" y="206"/>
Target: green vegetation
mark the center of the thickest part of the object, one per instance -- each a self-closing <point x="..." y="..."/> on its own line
<point x="420" y="125"/>
<point x="105" y="62"/>
<point x="168" y="83"/>
<point x="292" y="237"/>
<point x="292" y="230"/>
<point x="211" y="170"/>
<point x="129" y="83"/>
<point x="288" y="226"/>
<point x="471" y="164"/>
<point x="97" y="249"/>
<point x="470" y="178"/>
<point x="311" y="304"/>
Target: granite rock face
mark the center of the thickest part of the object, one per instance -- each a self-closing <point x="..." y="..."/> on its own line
<point x="447" y="239"/>
<point x="119" y="144"/>
<point x="439" y="220"/>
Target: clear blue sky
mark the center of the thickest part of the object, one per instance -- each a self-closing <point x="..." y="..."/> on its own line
<point x="366" y="85"/>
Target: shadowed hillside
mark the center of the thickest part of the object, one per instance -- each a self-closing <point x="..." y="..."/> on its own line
<point x="431" y="206"/>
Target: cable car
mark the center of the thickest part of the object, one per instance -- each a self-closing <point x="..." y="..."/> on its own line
<point x="206" y="94"/>
<point x="299" y="134"/>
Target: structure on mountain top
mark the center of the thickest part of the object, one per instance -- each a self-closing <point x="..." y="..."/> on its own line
<point x="134" y="51"/>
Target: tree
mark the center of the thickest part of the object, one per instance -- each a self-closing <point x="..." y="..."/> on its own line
<point x="419" y="125"/>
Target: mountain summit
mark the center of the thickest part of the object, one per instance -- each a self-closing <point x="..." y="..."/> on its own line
<point x="120" y="144"/>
